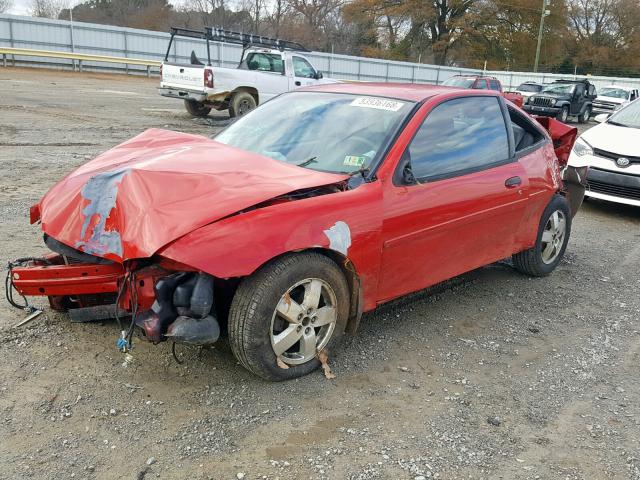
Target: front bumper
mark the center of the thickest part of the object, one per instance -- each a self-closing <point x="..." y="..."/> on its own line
<point x="544" y="111"/>
<point x="598" y="110"/>
<point x="614" y="186"/>
<point x="182" y="94"/>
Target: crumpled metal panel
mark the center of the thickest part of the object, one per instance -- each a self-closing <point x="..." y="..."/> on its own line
<point x="139" y="196"/>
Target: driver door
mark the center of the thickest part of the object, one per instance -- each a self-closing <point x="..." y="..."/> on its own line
<point x="579" y="96"/>
<point x="304" y="74"/>
<point x="466" y="205"/>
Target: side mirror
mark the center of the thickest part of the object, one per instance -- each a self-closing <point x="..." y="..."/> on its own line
<point x="602" y="117"/>
<point x="318" y="75"/>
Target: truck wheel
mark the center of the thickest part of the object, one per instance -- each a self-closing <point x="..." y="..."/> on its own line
<point x="563" y="116"/>
<point x="196" y="109"/>
<point x="286" y="312"/>
<point x="241" y="103"/>
<point x="553" y="236"/>
<point x="584" y="118"/>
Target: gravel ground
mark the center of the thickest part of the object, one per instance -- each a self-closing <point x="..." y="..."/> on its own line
<point x="500" y="376"/>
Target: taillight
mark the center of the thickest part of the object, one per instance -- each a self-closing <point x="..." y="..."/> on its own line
<point x="208" y="78"/>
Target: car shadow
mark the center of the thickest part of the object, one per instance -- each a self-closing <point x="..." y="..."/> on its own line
<point x="604" y="207"/>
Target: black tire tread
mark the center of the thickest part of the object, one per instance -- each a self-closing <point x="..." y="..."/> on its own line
<point x="254" y="290"/>
<point x="529" y="261"/>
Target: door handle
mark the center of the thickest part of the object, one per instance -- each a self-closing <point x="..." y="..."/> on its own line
<point x="297" y="83"/>
<point x="513" y="182"/>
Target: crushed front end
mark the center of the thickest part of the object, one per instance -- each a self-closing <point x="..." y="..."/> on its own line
<point x="163" y="299"/>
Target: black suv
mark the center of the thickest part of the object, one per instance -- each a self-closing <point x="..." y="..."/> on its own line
<point x="563" y="98"/>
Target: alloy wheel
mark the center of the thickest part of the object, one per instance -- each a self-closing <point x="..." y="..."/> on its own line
<point x="303" y="321"/>
<point x="553" y="236"/>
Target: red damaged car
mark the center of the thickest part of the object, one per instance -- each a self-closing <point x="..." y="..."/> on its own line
<point x="316" y="207"/>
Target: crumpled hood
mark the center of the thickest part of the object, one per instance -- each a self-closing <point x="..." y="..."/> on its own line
<point x="141" y="195"/>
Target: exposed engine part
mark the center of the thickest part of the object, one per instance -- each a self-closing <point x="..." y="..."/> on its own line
<point x="202" y="296"/>
<point x="194" y="331"/>
<point x="186" y="297"/>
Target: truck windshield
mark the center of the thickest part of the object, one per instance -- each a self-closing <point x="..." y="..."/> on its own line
<point x="627" y="117"/>
<point x="561" y="89"/>
<point x="331" y="132"/>
<point x="614" y="92"/>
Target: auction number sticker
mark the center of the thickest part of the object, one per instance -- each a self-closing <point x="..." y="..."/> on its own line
<point x="379" y="103"/>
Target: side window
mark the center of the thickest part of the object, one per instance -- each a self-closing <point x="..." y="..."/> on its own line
<point x="481" y="84"/>
<point x="494" y="85"/>
<point x="265" y="62"/>
<point x="302" y="68"/>
<point x="580" y="90"/>
<point x="459" y="136"/>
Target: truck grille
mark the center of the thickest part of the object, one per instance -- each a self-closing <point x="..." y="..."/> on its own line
<point x="615" y="184"/>
<point x="604" y="105"/>
<point x="614" y="156"/>
<point x="543" y="102"/>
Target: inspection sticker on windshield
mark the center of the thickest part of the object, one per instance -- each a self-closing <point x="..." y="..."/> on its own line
<point x="354" y="160"/>
<point x="379" y="103"/>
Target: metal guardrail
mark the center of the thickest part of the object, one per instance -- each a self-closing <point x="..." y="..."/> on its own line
<point x="80" y="57"/>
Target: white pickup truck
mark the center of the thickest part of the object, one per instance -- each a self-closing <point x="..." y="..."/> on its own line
<point x="613" y="97"/>
<point x="268" y="67"/>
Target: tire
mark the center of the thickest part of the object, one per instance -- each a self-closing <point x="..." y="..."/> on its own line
<point x="563" y="116"/>
<point x="584" y="117"/>
<point x="241" y="103"/>
<point x="532" y="261"/>
<point x="196" y="109"/>
<point x="284" y="283"/>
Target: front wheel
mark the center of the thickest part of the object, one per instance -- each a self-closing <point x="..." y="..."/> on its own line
<point x="196" y="109"/>
<point x="563" y="115"/>
<point x="551" y="243"/>
<point x="287" y="312"/>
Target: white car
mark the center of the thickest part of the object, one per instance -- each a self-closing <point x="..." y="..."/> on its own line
<point x="611" y="150"/>
<point x="613" y="97"/>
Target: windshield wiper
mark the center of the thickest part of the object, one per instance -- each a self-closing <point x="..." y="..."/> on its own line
<point x="308" y="161"/>
<point x="611" y="122"/>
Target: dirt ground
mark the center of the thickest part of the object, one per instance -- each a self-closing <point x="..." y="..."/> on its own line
<point x="501" y="376"/>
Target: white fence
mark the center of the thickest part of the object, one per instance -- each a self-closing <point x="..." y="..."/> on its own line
<point x="45" y="34"/>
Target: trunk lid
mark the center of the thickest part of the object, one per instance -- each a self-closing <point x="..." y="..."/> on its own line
<point x="141" y="195"/>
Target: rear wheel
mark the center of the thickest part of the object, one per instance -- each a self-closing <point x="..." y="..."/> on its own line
<point x="287" y="312"/>
<point x="584" y="117"/>
<point x="563" y="116"/>
<point x="196" y="109"/>
<point x="551" y="243"/>
<point x="241" y="103"/>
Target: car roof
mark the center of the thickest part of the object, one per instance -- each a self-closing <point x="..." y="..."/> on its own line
<point x="414" y="92"/>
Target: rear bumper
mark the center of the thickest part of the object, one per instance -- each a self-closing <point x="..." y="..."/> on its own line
<point x="544" y="111"/>
<point x="182" y="94"/>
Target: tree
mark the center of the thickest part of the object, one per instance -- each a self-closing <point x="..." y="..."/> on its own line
<point x="5" y="5"/>
<point x="47" y="8"/>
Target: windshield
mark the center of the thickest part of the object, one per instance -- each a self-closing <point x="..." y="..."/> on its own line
<point x="528" y="87"/>
<point x="561" y="89"/>
<point x="460" y="82"/>
<point x="331" y="132"/>
<point x="614" y="92"/>
<point x="628" y="116"/>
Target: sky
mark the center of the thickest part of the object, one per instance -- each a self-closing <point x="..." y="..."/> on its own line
<point x="20" y="7"/>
